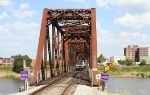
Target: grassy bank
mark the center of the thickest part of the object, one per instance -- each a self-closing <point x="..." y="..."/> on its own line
<point x="117" y="71"/>
<point x="127" y="71"/>
<point x="7" y="72"/>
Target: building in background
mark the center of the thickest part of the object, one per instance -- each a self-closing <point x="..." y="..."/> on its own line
<point x="134" y="52"/>
<point x="1" y="61"/>
<point x="33" y="62"/>
<point x="147" y="59"/>
<point x="6" y="62"/>
<point x="116" y="58"/>
<point x="10" y="62"/>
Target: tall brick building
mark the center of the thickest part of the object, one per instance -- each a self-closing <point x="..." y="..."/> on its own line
<point x="6" y="62"/>
<point x="134" y="52"/>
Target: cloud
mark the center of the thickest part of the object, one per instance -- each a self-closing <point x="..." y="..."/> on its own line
<point x="108" y="41"/>
<point x="134" y="21"/>
<point x="24" y="6"/>
<point x="132" y="7"/>
<point x="102" y="3"/>
<point x="14" y="43"/>
<point x="18" y="37"/>
<point x="7" y="2"/>
<point x="24" y="13"/>
<point x="85" y="4"/>
<point x="22" y="26"/>
<point x="4" y="15"/>
<point x="5" y="33"/>
<point x="133" y="38"/>
<point x="21" y="30"/>
<point x="104" y="36"/>
<point x="79" y="1"/>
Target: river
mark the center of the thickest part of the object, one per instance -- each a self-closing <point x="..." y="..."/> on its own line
<point x="134" y="86"/>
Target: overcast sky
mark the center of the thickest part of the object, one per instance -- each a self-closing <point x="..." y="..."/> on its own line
<point x="119" y="23"/>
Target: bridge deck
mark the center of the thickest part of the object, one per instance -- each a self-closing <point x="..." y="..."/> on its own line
<point x="85" y="80"/>
<point x="51" y="80"/>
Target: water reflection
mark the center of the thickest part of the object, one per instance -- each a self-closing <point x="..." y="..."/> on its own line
<point x="10" y="85"/>
<point x="136" y="86"/>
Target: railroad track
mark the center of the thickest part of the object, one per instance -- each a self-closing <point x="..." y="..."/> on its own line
<point x="65" y="86"/>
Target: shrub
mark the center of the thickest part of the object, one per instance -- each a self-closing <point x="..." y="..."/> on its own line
<point x="142" y="75"/>
<point x="137" y="74"/>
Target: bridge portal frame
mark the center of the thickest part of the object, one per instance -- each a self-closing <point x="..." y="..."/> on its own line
<point x="58" y="49"/>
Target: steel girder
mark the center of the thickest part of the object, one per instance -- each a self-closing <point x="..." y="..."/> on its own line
<point x="73" y="37"/>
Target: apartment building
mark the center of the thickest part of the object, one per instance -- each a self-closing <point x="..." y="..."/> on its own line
<point x="116" y="58"/>
<point x="6" y="62"/>
<point x="134" y="52"/>
<point x="10" y="62"/>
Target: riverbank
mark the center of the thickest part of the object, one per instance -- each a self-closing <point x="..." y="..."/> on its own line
<point x="7" y="72"/>
<point x="117" y="71"/>
<point x="127" y="71"/>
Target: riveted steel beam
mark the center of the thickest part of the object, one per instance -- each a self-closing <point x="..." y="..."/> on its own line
<point x="73" y="36"/>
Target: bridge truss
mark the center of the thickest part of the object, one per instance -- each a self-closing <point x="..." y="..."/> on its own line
<point x="66" y="36"/>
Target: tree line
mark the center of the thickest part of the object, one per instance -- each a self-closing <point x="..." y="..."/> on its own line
<point x="18" y="62"/>
<point x="126" y="62"/>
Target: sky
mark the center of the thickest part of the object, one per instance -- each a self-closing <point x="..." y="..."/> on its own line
<point x="119" y="23"/>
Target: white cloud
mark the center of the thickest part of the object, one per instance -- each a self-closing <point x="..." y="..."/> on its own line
<point x="24" y="13"/>
<point x="14" y="44"/>
<point x="80" y="1"/>
<point x="22" y="26"/>
<point x="104" y="36"/>
<point x="24" y="6"/>
<point x="127" y="38"/>
<point x="85" y="4"/>
<point x="110" y="41"/>
<point x="5" y="33"/>
<point x="106" y="33"/>
<point x="130" y="6"/>
<point x="134" y="21"/>
<point x="21" y="30"/>
<point x="102" y="3"/>
<point x="7" y="3"/>
<point x="4" y="15"/>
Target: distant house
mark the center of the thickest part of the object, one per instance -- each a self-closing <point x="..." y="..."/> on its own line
<point x="6" y="61"/>
<point x="1" y="61"/>
<point x="33" y="62"/>
<point x="10" y="62"/>
<point x="116" y="58"/>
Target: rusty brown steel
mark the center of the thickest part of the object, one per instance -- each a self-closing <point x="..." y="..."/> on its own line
<point x="40" y="46"/>
<point x="73" y="38"/>
<point x="93" y="45"/>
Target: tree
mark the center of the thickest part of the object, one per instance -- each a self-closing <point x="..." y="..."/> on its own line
<point x="129" y="62"/>
<point x="122" y="62"/>
<point x="101" y="59"/>
<point x="18" y="62"/>
<point x="143" y="62"/>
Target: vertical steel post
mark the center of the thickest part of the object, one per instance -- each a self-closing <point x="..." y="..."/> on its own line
<point x="40" y="45"/>
<point x="94" y="45"/>
<point x="53" y="46"/>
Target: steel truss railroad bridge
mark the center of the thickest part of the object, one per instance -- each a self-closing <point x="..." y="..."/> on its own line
<point x="66" y="36"/>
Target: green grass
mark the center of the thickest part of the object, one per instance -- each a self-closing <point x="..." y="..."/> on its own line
<point x="129" y="71"/>
<point x="6" y="69"/>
